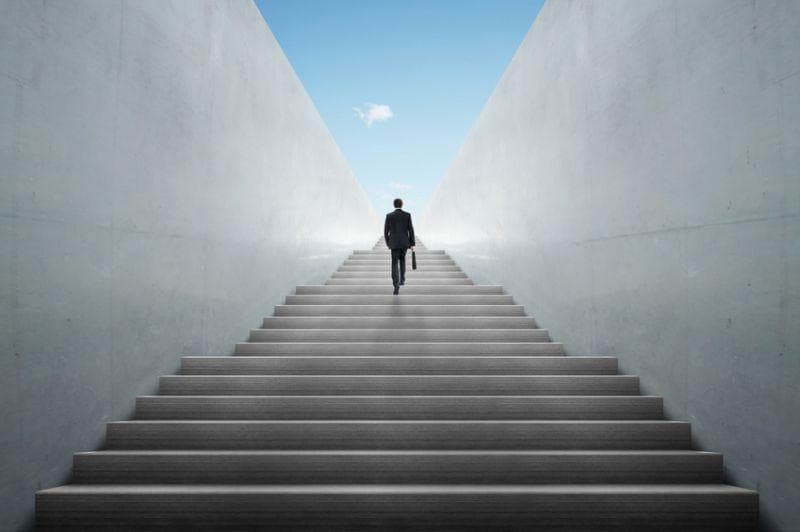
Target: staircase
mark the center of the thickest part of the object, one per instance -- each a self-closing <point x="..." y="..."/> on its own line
<point x="443" y="408"/>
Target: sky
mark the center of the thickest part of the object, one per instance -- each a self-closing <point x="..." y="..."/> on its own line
<point x="399" y="82"/>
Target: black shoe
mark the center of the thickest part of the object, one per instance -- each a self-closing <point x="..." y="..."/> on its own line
<point x="396" y="290"/>
<point x="402" y="283"/>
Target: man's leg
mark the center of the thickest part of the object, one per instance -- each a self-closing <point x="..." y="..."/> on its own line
<point x="395" y="273"/>
<point x="402" y="259"/>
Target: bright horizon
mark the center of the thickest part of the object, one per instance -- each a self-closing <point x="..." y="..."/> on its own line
<point x="399" y="84"/>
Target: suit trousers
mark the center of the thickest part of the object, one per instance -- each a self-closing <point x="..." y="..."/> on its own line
<point x="399" y="266"/>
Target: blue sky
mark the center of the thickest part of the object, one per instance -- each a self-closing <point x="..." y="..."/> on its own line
<point x="427" y="66"/>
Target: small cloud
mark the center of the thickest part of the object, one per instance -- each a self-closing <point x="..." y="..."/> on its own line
<point x="370" y="113"/>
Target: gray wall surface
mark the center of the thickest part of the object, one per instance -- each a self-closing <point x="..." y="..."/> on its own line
<point x="635" y="182"/>
<point x="164" y="181"/>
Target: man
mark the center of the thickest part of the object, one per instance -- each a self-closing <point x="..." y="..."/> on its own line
<point x="399" y="235"/>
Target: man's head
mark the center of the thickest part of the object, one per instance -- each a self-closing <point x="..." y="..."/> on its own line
<point x="398" y="203"/>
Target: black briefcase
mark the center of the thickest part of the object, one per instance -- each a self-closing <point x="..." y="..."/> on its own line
<point x="413" y="260"/>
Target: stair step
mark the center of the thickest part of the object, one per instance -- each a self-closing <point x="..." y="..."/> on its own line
<point x="401" y="467"/>
<point x="418" y="249"/>
<point x="410" y="274"/>
<point x="406" y="290"/>
<point x="419" y="246"/>
<point x="387" y="268"/>
<point x="399" y="335"/>
<point x="353" y="507"/>
<point x="398" y="365"/>
<point x="370" y="311"/>
<point x="399" y="348"/>
<point x="399" y="385"/>
<point x="398" y="435"/>
<point x="386" y="252"/>
<point x="387" y="281"/>
<point x="402" y="299"/>
<point x="387" y="257"/>
<point x="387" y="407"/>
<point x="387" y="262"/>
<point x="399" y="322"/>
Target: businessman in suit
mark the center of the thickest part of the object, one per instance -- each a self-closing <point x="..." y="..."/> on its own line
<point x="399" y="234"/>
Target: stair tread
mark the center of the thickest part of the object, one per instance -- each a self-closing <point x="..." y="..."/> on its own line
<point x="406" y="397"/>
<point x="400" y="452"/>
<point x="440" y="376"/>
<point x="632" y="489"/>
<point x="402" y="310"/>
<point x="368" y="329"/>
<point x="425" y="357"/>
<point x="400" y="422"/>
<point x="468" y="342"/>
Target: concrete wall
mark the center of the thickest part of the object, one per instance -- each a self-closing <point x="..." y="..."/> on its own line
<point x="164" y="181"/>
<point x="635" y="182"/>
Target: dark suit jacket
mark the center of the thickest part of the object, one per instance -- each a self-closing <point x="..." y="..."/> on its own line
<point x="398" y="231"/>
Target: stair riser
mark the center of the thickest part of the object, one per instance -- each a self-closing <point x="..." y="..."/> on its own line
<point x="436" y="510"/>
<point x="400" y="408"/>
<point x="406" y="290"/>
<point x="399" y="335"/>
<point x="387" y="281"/>
<point x="448" y="365"/>
<point x="418" y="249"/>
<point x="399" y="348"/>
<point x="399" y="300"/>
<point x="397" y="468"/>
<point x="410" y="274"/>
<point x="382" y="247"/>
<point x="387" y="268"/>
<point x="398" y="385"/>
<point x="386" y="252"/>
<point x="393" y="311"/>
<point x="307" y="435"/>
<point x="387" y="264"/>
<point x="398" y="322"/>
<point x="387" y="257"/>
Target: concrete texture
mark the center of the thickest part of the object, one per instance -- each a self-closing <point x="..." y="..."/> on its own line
<point x="375" y="423"/>
<point x="164" y="181"/>
<point x="397" y="467"/>
<point x="399" y="407"/>
<point x="433" y="508"/>
<point x="634" y="182"/>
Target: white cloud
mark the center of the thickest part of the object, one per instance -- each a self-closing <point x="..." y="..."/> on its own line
<point x="370" y="113"/>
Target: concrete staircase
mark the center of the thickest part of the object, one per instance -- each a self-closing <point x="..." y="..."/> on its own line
<point x="443" y="408"/>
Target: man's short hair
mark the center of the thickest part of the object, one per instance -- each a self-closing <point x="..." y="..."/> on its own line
<point x="398" y="203"/>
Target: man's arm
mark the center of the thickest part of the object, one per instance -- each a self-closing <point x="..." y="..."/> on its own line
<point x="386" y="230"/>
<point x="411" y="231"/>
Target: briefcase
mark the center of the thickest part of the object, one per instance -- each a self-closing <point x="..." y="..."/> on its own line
<point x="413" y="260"/>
